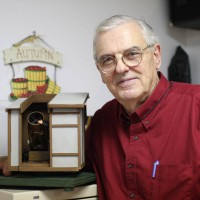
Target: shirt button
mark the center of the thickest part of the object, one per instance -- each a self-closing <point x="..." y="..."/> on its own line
<point x="135" y="137"/>
<point x="130" y="165"/>
<point x="132" y="195"/>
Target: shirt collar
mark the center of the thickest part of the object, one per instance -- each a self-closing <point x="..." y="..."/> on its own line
<point x="143" y="113"/>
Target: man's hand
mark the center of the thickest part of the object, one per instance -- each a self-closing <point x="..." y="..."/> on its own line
<point x="4" y="166"/>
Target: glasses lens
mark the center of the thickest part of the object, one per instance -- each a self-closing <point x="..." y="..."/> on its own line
<point x="107" y="64"/>
<point x="132" y="57"/>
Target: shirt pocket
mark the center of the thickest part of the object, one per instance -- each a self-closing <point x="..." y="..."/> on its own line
<point x="172" y="182"/>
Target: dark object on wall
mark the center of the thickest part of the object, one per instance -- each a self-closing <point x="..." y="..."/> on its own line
<point x="179" y="68"/>
<point x="185" y="13"/>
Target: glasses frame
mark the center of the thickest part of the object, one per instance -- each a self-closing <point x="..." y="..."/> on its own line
<point x="122" y="58"/>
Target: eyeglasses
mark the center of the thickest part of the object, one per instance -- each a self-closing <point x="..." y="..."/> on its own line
<point x="130" y="57"/>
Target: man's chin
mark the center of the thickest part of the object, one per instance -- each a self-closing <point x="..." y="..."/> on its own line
<point x="129" y="94"/>
<point x="127" y="97"/>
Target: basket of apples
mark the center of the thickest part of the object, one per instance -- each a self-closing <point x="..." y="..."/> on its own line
<point x="19" y="87"/>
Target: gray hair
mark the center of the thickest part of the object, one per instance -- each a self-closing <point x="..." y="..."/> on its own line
<point x="149" y="36"/>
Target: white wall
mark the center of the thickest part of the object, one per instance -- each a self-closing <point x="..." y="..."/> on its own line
<point x="68" y="25"/>
<point x="193" y="48"/>
<point x="3" y="128"/>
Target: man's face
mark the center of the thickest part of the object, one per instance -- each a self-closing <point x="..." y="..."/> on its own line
<point x="129" y="83"/>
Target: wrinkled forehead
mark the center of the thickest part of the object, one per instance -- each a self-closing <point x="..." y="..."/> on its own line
<point x="119" y="38"/>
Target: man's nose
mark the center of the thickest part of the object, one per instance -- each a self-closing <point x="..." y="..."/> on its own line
<point x="121" y="67"/>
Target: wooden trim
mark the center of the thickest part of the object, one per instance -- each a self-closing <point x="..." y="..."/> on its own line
<point x="37" y="98"/>
<point x="20" y="138"/>
<point x="43" y="167"/>
<point x="83" y="165"/>
<point x="13" y="168"/>
<point x="41" y="98"/>
<point x="65" y="113"/>
<point x="50" y="138"/>
<point x="48" y="169"/>
<point x="87" y="97"/>
<point x="9" y="138"/>
<point x="79" y="140"/>
<point x="64" y="125"/>
<point x="83" y="134"/>
<point x="65" y="154"/>
<point x="27" y="166"/>
<point x="72" y="106"/>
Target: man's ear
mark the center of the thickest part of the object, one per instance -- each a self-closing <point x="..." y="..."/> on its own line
<point x="157" y="56"/>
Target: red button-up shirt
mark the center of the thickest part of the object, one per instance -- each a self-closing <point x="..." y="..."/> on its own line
<point x="123" y="151"/>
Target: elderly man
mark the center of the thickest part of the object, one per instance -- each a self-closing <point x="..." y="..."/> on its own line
<point x="145" y="143"/>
